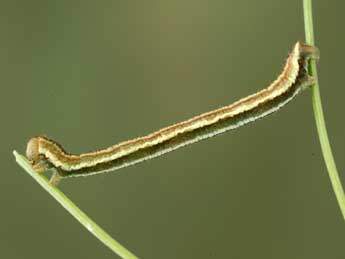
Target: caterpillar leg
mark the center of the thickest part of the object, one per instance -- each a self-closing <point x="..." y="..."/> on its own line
<point x="55" y="178"/>
<point x="40" y="167"/>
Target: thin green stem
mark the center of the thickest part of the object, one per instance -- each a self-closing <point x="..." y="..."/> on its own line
<point x="318" y="113"/>
<point x="88" y="223"/>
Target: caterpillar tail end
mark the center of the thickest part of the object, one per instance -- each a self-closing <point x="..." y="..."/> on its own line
<point x="308" y="51"/>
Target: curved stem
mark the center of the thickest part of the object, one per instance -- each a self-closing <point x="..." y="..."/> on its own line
<point x="318" y="113"/>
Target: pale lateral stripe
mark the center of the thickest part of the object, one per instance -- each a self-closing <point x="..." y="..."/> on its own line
<point x="270" y="96"/>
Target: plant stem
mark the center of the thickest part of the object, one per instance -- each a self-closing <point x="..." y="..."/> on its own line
<point x="318" y="113"/>
<point x="88" y="223"/>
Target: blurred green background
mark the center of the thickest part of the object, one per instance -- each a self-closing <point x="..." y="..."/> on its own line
<point x="92" y="73"/>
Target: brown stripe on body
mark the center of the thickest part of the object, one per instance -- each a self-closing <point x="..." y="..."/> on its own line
<point x="293" y="78"/>
<point x="302" y="80"/>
